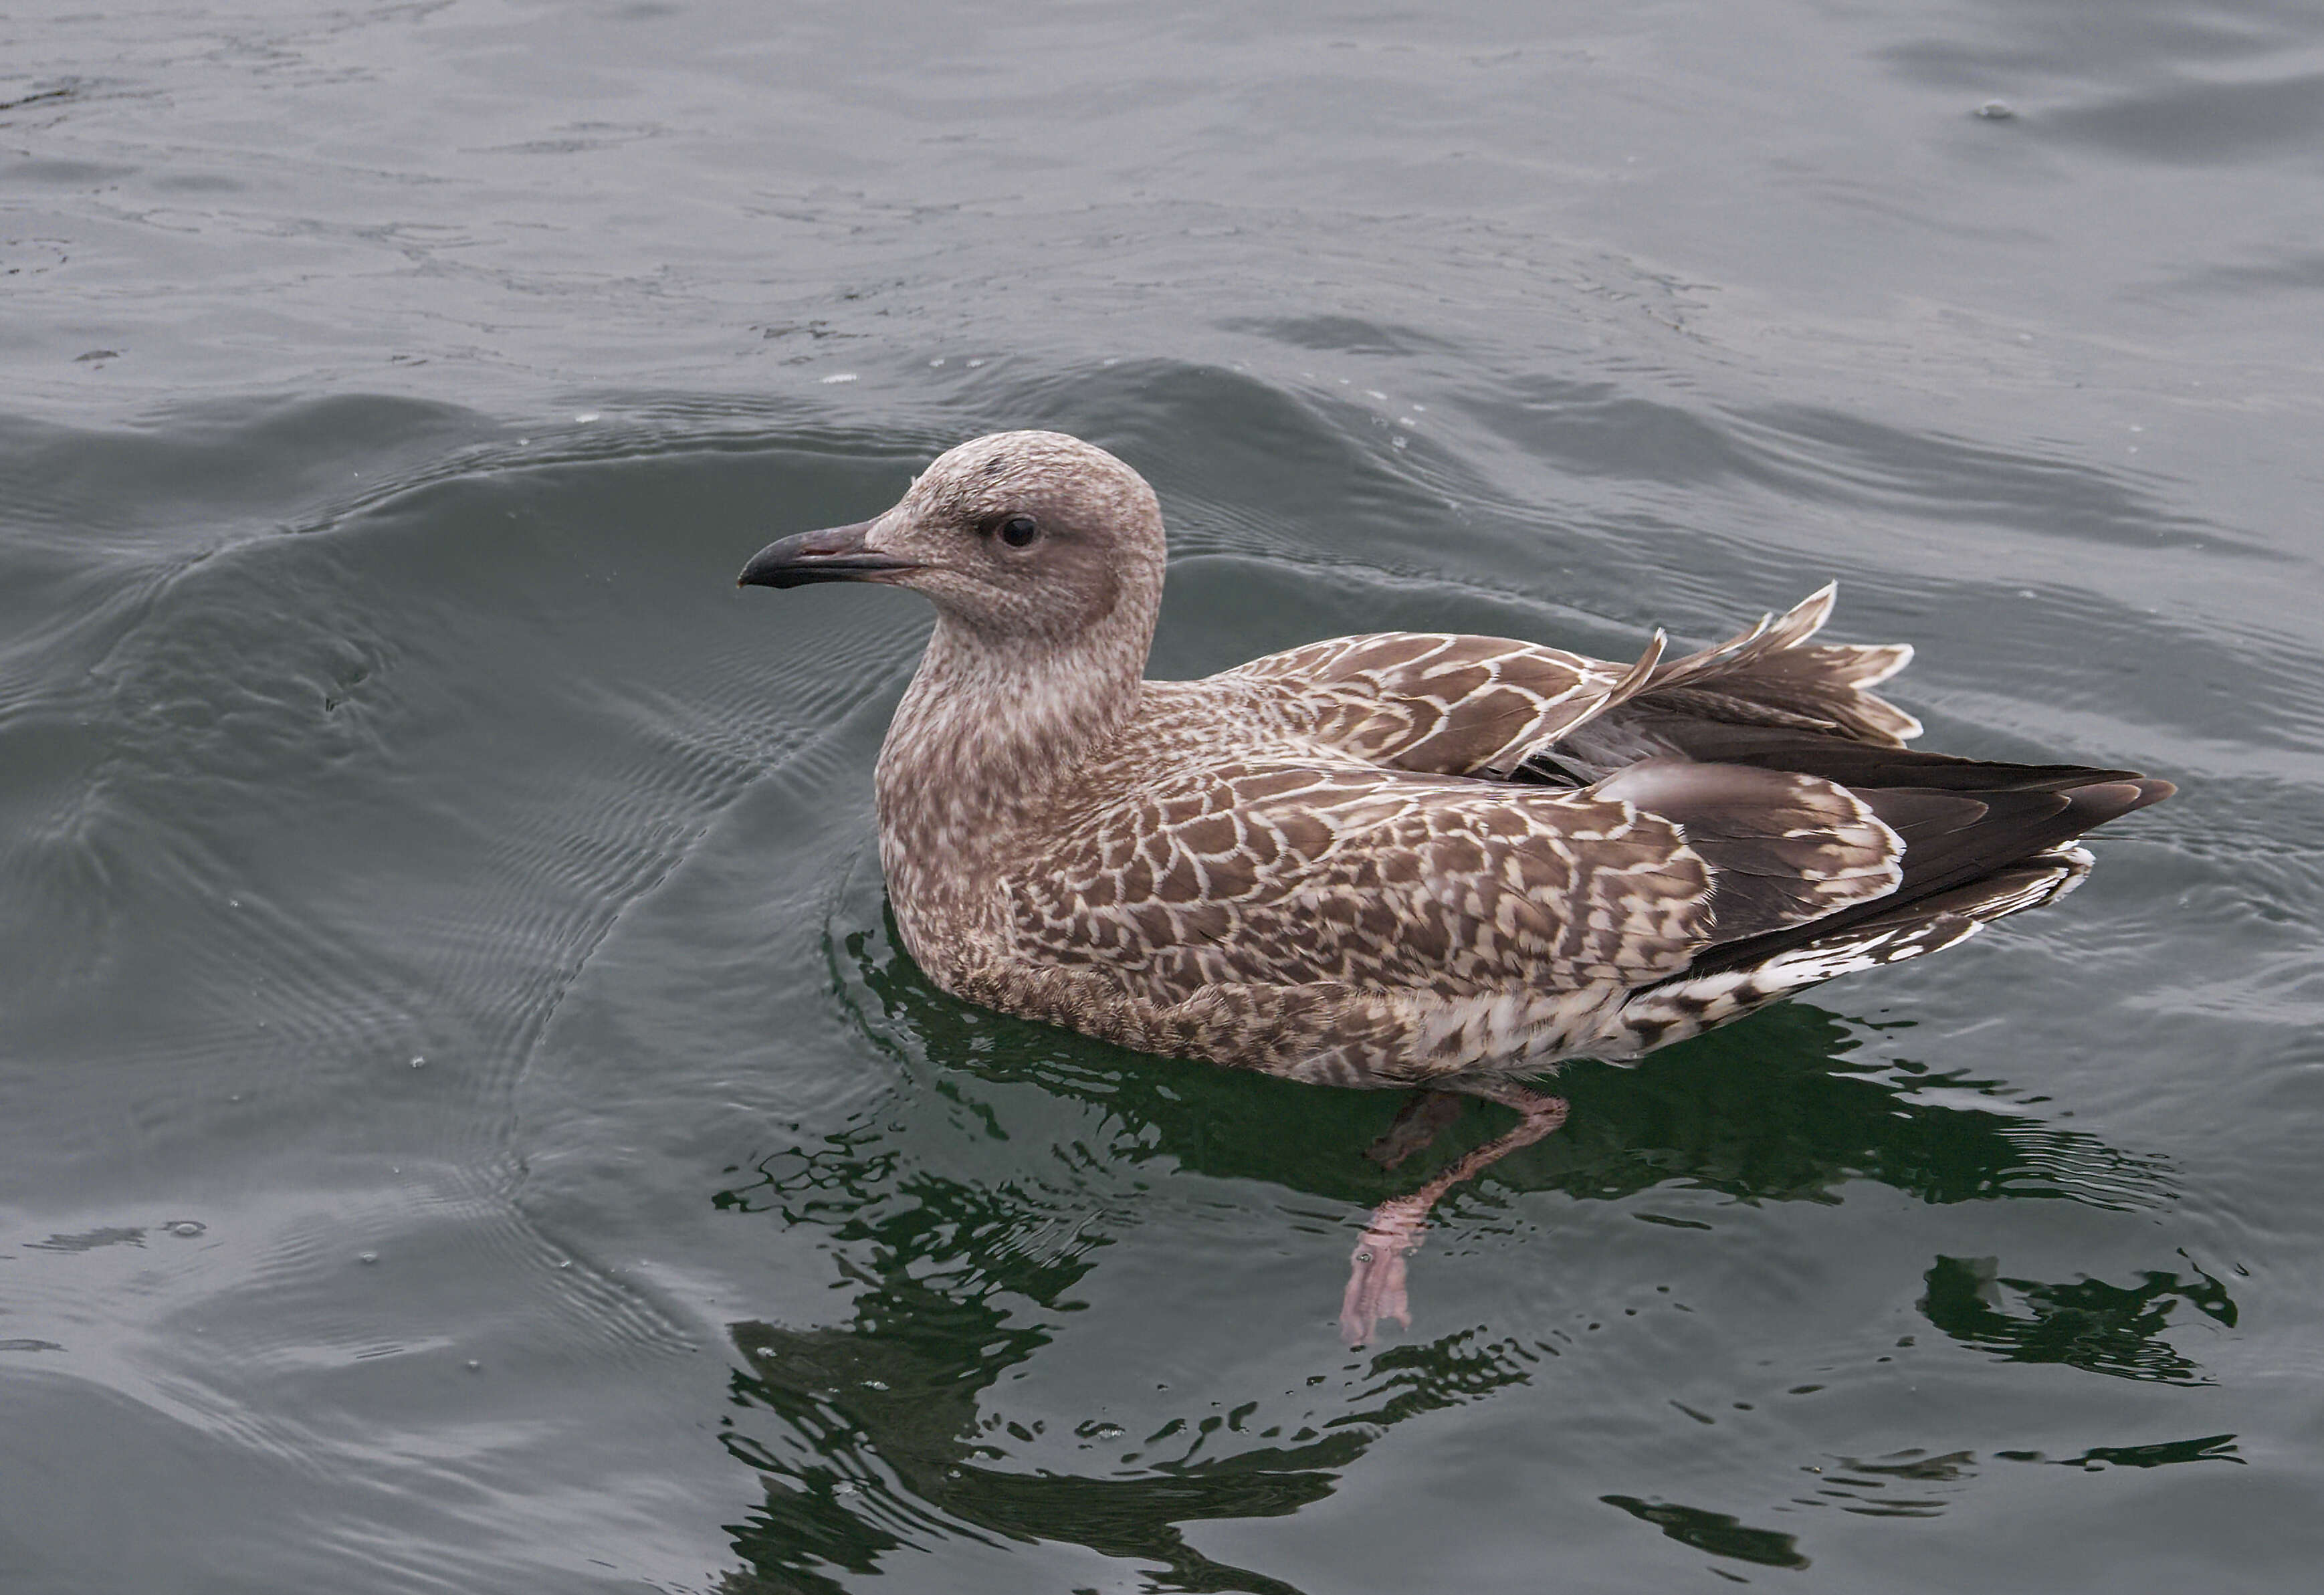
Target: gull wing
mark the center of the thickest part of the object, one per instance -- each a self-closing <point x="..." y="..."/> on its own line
<point x="1434" y="701"/>
<point x="1287" y="875"/>
<point x="1454" y="704"/>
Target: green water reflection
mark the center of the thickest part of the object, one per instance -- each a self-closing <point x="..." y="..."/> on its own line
<point x="876" y="1435"/>
<point x="2084" y="1323"/>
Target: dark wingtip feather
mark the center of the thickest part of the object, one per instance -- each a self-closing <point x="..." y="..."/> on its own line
<point x="2101" y="801"/>
<point x="1959" y="843"/>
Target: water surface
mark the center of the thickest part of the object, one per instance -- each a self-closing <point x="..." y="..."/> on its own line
<point x="465" y="1121"/>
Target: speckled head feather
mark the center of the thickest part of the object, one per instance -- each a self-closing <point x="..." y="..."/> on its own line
<point x="1029" y="537"/>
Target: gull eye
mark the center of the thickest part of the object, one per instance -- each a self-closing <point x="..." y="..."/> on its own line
<point x="1019" y="532"/>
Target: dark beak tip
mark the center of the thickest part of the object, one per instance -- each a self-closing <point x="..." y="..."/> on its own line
<point x="835" y="555"/>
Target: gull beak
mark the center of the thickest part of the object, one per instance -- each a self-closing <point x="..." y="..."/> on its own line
<point x="836" y="555"/>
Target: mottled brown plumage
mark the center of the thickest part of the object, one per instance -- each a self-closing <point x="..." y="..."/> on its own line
<point x="1408" y="859"/>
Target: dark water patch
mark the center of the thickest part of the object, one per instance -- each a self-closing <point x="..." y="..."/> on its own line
<point x="2202" y="124"/>
<point x="1236" y="454"/>
<point x="2143" y="37"/>
<point x="1909" y="1483"/>
<point x="2086" y="1323"/>
<point x="882" y="1446"/>
<point x="2161" y="1453"/>
<point x="1348" y="334"/>
<point x="871" y="1436"/>
<point x="90" y="1240"/>
<point x="61" y="174"/>
<point x="2294" y="269"/>
<point x="170" y="486"/>
<point x="1932" y="476"/>
<point x="1597" y="428"/>
<point x="1715" y="1532"/>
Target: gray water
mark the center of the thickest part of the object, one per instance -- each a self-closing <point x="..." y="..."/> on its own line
<point x="465" y="1121"/>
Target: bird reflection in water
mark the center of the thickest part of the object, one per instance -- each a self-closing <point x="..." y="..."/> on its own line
<point x="889" y="1430"/>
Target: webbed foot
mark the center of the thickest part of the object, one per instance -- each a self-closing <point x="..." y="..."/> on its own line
<point x="1376" y="1275"/>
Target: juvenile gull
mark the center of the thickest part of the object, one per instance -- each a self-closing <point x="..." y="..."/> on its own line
<point x="1408" y="859"/>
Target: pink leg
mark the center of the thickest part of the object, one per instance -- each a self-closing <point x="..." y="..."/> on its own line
<point x="1376" y="1281"/>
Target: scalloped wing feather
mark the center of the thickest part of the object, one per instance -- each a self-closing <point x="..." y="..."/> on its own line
<point x="1292" y="875"/>
<point x="1437" y="702"/>
<point x="1456" y="704"/>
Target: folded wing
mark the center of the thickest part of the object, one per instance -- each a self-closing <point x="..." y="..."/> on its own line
<point x="1294" y="875"/>
<point x="1459" y="704"/>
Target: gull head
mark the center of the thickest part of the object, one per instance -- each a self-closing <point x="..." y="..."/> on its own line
<point x="1022" y="536"/>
